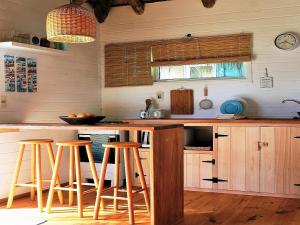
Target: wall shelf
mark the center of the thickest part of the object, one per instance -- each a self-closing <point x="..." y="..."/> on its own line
<point x="28" y="47"/>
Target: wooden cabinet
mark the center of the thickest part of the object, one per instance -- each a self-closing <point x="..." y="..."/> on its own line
<point x="248" y="158"/>
<point x="294" y="187"/>
<point x="197" y="167"/>
<point x="232" y="158"/>
<point x="275" y="159"/>
<point x="255" y="159"/>
<point x="145" y="159"/>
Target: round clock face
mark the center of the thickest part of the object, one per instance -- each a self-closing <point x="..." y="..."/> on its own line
<point x="287" y="41"/>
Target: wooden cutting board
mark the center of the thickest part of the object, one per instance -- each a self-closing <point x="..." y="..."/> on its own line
<point x="182" y="102"/>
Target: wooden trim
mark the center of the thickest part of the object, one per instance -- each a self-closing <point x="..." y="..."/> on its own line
<point x="244" y="193"/>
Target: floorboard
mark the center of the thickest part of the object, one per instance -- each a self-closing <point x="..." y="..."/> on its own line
<point x="200" y="209"/>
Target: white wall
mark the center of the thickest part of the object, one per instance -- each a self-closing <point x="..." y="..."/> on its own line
<point x="174" y="19"/>
<point x="66" y="83"/>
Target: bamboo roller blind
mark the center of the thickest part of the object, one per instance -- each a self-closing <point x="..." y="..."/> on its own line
<point x="129" y="64"/>
<point x="202" y="50"/>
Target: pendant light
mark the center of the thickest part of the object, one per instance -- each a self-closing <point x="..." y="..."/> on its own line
<point x="71" y="23"/>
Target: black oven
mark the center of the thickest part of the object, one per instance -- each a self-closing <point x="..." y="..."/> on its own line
<point x="97" y="148"/>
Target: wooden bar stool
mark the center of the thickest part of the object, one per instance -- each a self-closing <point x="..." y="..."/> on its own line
<point x="74" y="154"/>
<point x="36" y="171"/>
<point x="118" y="146"/>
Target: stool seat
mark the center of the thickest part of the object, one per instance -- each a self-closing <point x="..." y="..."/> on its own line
<point x="35" y="141"/>
<point x="121" y="145"/>
<point x="74" y="143"/>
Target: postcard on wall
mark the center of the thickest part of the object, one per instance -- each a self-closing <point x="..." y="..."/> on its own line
<point x="21" y="74"/>
<point x="9" y="73"/>
<point x="32" y="75"/>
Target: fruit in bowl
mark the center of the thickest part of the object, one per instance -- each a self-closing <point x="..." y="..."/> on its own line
<point x="81" y="118"/>
<point x="81" y="115"/>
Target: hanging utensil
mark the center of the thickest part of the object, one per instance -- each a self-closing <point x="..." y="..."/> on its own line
<point x="206" y="103"/>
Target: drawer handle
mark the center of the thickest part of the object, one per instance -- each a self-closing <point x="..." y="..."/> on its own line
<point x="143" y="158"/>
<point x="297" y="185"/>
<point x="262" y="144"/>
<point x="210" y="161"/>
<point x="297" y="137"/>
<point x="220" y="135"/>
<point x="215" y="180"/>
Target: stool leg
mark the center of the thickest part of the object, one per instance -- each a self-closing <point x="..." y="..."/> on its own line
<point x="71" y="176"/>
<point x="33" y="171"/>
<point x="129" y="185"/>
<point x="142" y="177"/>
<point x="78" y="179"/>
<point x="94" y="171"/>
<point x="117" y="178"/>
<point x="51" y="157"/>
<point x="54" y="178"/>
<point x="101" y="182"/>
<point x="16" y="176"/>
<point x="39" y="177"/>
<point x="92" y="164"/>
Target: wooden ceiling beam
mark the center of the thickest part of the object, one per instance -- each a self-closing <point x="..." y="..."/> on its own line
<point x="208" y="3"/>
<point x="138" y="6"/>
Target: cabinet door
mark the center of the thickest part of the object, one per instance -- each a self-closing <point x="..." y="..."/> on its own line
<point x="238" y="159"/>
<point x="252" y="158"/>
<point x="206" y="170"/>
<point x="224" y="146"/>
<point x="192" y="170"/>
<point x="295" y="162"/>
<point x="232" y="158"/>
<point x="275" y="160"/>
<point x="144" y="156"/>
<point x="196" y="168"/>
<point x="267" y="165"/>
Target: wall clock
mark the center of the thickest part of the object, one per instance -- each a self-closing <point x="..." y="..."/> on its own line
<point x="287" y="41"/>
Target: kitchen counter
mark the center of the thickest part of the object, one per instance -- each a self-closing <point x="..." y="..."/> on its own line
<point x="212" y="121"/>
<point x="166" y="162"/>
<point x="99" y="126"/>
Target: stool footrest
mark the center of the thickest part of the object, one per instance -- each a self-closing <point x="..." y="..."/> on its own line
<point x="65" y="189"/>
<point x="26" y="185"/>
<point x="86" y="184"/>
<point x="112" y="197"/>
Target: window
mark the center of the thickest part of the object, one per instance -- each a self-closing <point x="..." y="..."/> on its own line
<point x="236" y="70"/>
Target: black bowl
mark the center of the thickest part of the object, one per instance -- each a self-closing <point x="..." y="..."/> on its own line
<point x="82" y="121"/>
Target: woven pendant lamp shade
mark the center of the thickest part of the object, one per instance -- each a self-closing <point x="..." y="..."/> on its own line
<point x="71" y="24"/>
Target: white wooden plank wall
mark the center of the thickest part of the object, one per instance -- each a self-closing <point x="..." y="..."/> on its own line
<point x="174" y="19"/>
<point x="65" y="84"/>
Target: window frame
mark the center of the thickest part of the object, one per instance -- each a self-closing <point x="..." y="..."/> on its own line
<point x="247" y="77"/>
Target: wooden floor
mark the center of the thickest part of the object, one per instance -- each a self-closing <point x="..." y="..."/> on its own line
<point x="200" y="209"/>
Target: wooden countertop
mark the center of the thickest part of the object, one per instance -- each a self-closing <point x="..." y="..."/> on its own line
<point x="100" y="126"/>
<point x="217" y="121"/>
